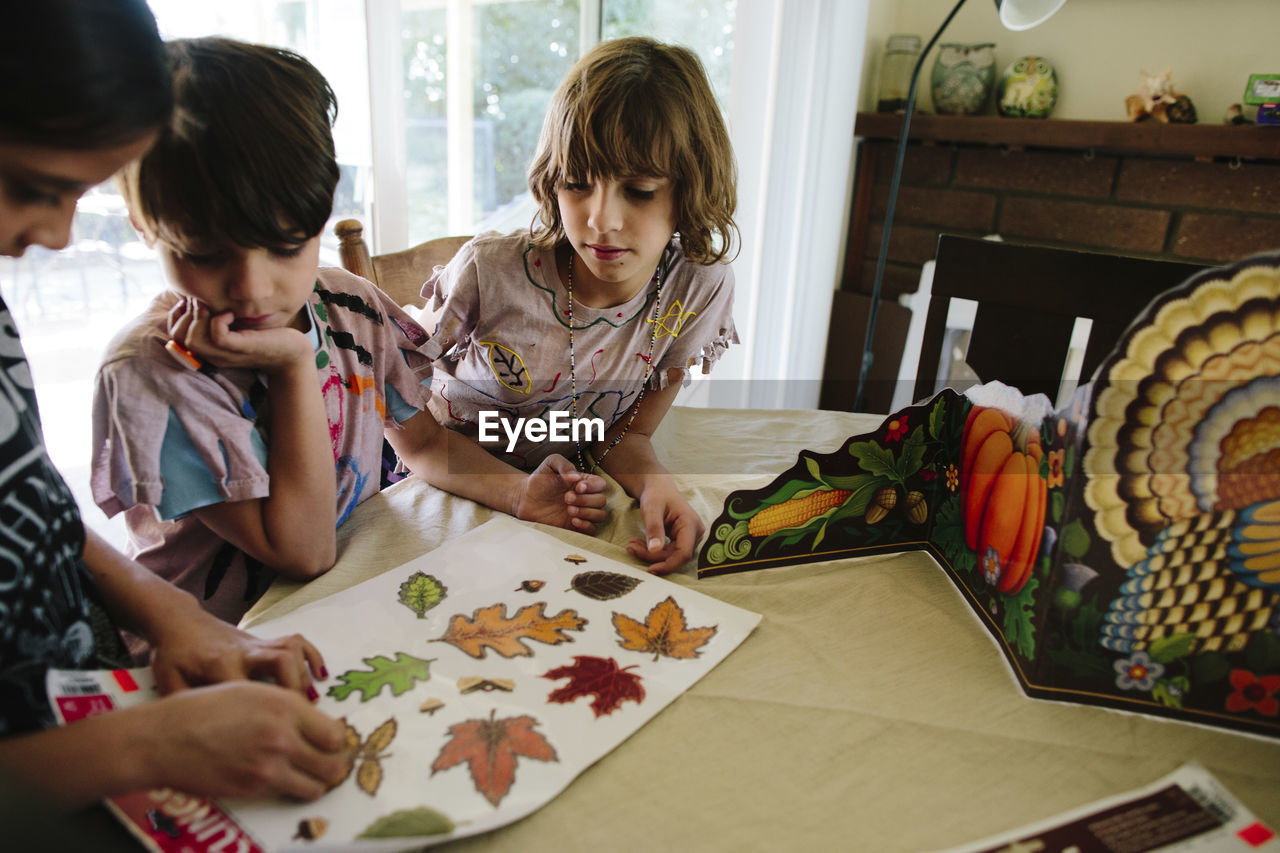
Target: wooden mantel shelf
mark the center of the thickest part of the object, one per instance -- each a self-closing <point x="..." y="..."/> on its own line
<point x="1201" y="141"/>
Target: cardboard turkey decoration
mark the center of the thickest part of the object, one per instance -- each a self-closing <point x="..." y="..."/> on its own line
<point x="1124" y="551"/>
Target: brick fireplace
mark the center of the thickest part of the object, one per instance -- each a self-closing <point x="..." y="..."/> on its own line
<point x="1201" y="193"/>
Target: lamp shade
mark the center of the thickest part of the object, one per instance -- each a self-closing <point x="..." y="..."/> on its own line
<point x="1025" y="14"/>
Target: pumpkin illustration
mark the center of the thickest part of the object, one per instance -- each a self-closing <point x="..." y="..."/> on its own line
<point x="1002" y="494"/>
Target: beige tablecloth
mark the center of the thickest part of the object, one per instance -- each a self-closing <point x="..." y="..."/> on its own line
<point x="868" y="711"/>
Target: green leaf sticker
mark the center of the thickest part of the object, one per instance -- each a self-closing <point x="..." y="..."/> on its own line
<point x="421" y="592"/>
<point x="409" y="823"/>
<point x="399" y="674"/>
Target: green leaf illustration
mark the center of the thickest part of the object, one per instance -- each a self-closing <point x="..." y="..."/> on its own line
<point x="1019" y="633"/>
<point x="399" y="674"/>
<point x="1168" y="649"/>
<point x="1075" y="539"/>
<point x="1209" y="667"/>
<point x="1169" y="691"/>
<point x="874" y="459"/>
<point x="1263" y="651"/>
<point x="409" y="823"/>
<point x="421" y="592"/>
<point x="912" y="456"/>
<point x="935" y="419"/>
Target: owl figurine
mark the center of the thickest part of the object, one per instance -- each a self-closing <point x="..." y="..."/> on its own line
<point x="963" y="75"/>
<point x="1028" y="88"/>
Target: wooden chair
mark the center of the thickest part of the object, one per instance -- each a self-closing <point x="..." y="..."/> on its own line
<point x="1028" y="300"/>
<point x="399" y="274"/>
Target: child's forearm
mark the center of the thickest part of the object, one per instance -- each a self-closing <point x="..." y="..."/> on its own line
<point x="300" y="514"/>
<point x="634" y="464"/>
<point x="292" y="528"/>
<point x="453" y="462"/>
<point x="138" y="600"/>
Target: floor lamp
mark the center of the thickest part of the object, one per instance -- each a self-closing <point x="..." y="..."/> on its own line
<point x="1014" y="15"/>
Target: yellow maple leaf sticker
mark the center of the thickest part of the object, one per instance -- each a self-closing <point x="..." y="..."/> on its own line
<point x="663" y="632"/>
<point x="489" y="627"/>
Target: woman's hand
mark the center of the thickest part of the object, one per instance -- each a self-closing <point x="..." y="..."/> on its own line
<point x="201" y="649"/>
<point x="672" y="528"/>
<point x="241" y="740"/>
<point x="556" y="493"/>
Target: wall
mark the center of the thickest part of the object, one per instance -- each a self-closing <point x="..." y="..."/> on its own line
<point x="1099" y="47"/>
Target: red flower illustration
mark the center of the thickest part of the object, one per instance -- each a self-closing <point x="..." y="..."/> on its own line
<point x="896" y="429"/>
<point x="1254" y="692"/>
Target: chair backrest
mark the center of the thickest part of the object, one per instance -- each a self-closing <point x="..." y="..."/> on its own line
<point x="399" y="274"/>
<point x="1028" y="300"/>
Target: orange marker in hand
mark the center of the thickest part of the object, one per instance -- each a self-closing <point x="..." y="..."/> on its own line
<point x="182" y="355"/>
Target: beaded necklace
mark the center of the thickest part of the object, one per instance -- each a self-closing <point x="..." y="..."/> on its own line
<point x="658" y="275"/>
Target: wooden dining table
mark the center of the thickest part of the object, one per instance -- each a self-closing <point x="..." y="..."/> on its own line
<point x="869" y="710"/>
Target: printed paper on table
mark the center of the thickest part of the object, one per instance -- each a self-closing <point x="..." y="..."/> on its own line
<point x="476" y="682"/>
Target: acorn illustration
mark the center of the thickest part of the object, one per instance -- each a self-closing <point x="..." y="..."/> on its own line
<point x="916" y="506"/>
<point x="311" y="828"/>
<point x="881" y="502"/>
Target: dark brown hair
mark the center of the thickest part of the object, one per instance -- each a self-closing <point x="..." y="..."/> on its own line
<point x="248" y="157"/>
<point x="81" y="74"/>
<point x="635" y="106"/>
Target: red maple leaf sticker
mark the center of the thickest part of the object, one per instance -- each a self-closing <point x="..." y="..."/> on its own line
<point x="599" y="677"/>
<point x="490" y="747"/>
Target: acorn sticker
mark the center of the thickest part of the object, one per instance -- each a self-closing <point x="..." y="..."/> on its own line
<point x="309" y="829"/>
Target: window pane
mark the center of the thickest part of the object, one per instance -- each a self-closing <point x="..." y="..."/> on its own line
<point x="470" y="176"/>
<point x="68" y="304"/>
<point x="704" y="26"/>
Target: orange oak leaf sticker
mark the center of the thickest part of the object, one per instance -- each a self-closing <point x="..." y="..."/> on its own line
<point x="600" y="677"/>
<point x="490" y="627"/>
<point x="663" y="632"/>
<point x="490" y="748"/>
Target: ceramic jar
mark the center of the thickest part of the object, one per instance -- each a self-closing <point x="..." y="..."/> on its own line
<point x="1028" y="88"/>
<point x="963" y="76"/>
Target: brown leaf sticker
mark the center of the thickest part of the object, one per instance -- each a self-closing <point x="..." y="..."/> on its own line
<point x="663" y="632"/>
<point x="490" y="627"/>
<point x="490" y="748"/>
<point x="600" y="677"/>
<point x="367" y="754"/>
<point x="603" y="586"/>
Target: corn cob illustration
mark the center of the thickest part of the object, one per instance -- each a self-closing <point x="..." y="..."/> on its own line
<point x="795" y="512"/>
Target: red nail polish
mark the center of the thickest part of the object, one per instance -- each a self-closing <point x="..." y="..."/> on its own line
<point x="312" y="694"/>
<point x="324" y="672"/>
